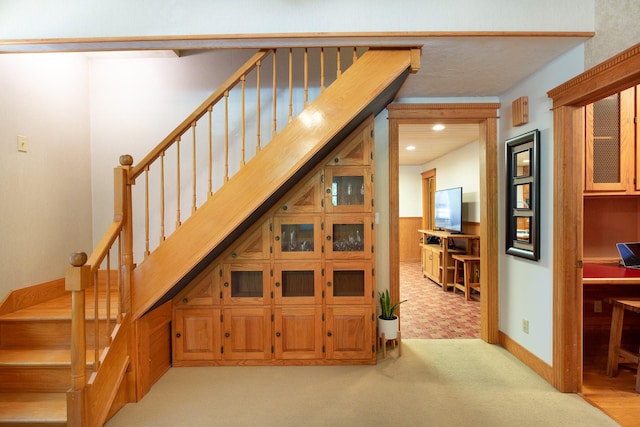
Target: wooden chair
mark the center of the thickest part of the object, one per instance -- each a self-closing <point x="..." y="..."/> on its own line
<point x="616" y="352"/>
<point x="466" y="274"/>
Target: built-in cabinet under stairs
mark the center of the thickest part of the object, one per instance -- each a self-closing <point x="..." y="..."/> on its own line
<point x="35" y="360"/>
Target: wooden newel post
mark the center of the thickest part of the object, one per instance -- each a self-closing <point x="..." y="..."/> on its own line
<point x="77" y="278"/>
<point x="123" y="186"/>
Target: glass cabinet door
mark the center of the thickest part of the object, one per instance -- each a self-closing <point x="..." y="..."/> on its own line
<point x="349" y="282"/>
<point x="298" y="283"/>
<point x="297" y="237"/>
<point x="609" y="143"/>
<point x="246" y="283"/>
<point x="348" y="189"/>
<point x="349" y="237"/>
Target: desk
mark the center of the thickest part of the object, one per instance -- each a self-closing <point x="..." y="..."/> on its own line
<point x="615" y="338"/>
<point x="609" y="274"/>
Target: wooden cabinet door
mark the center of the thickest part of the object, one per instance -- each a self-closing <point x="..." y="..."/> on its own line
<point x="247" y="333"/>
<point x="297" y="237"/>
<point x="349" y="282"/>
<point x="197" y="334"/>
<point x="349" y="236"/>
<point x="297" y="282"/>
<point x="246" y="284"/>
<point x="298" y="332"/>
<point x="610" y="143"/>
<point x="350" y="332"/>
<point x="348" y="189"/>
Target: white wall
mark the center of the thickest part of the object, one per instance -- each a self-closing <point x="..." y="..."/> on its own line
<point x="526" y="290"/>
<point x="459" y="168"/>
<point x="381" y="182"/>
<point x="45" y="193"/>
<point x="410" y="191"/>
<point x="33" y="19"/>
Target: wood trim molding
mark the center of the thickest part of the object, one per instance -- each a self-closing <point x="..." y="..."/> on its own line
<point x="618" y="73"/>
<point x="467" y="112"/>
<point x="525" y="356"/>
<point x="611" y="76"/>
<point x="256" y="41"/>
<point x="31" y="295"/>
<point x="486" y="114"/>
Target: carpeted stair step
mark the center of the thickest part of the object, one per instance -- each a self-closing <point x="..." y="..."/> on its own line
<point x="33" y="409"/>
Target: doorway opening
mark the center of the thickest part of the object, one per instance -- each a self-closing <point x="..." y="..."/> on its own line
<point x="486" y="116"/>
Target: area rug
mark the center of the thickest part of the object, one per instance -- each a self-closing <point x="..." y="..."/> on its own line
<point x="432" y="313"/>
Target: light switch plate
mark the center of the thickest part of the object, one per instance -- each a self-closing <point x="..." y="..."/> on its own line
<point x="22" y="143"/>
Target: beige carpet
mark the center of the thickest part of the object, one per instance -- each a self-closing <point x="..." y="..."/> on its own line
<point x="462" y="382"/>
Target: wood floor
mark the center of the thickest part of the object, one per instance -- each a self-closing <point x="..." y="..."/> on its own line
<point x="614" y="396"/>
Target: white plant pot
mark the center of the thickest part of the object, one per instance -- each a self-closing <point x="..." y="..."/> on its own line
<point x="388" y="327"/>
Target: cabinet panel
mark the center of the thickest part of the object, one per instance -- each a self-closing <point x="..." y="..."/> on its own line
<point x="246" y="283"/>
<point x="204" y="290"/>
<point x="348" y="189"/>
<point x="349" y="282"/>
<point x="609" y="143"/>
<point x="350" y="332"/>
<point x="298" y="332"/>
<point x="349" y="236"/>
<point x="247" y="333"/>
<point x="297" y="237"/>
<point x="298" y="282"/>
<point x="254" y="245"/>
<point x="197" y="334"/>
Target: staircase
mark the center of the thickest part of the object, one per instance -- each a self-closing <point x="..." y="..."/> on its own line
<point x="53" y="369"/>
<point x="35" y="361"/>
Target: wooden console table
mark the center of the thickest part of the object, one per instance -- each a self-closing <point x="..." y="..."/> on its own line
<point x="436" y="258"/>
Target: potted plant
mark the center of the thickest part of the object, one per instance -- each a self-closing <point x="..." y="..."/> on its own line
<point x="387" y="320"/>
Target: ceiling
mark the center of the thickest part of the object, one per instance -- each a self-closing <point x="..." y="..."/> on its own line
<point x="452" y="66"/>
<point x="470" y="67"/>
<point x="430" y="144"/>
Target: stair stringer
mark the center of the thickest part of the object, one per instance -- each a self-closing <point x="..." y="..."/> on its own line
<point x="364" y="89"/>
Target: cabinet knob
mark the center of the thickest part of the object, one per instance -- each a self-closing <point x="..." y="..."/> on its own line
<point x="178" y="335"/>
<point x="328" y="237"/>
<point x="185" y="300"/>
<point x="329" y="333"/>
<point x="329" y="284"/>
<point x="277" y="284"/>
<point x="227" y="334"/>
<point x="278" y="334"/>
<point x="328" y="191"/>
<point x="226" y="284"/>
<point x="277" y="238"/>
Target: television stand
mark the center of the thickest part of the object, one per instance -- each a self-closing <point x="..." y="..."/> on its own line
<point x="436" y="258"/>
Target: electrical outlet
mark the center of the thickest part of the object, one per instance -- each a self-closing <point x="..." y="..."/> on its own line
<point x="525" y="326"/>
<point x="597" y="306"/>
<point x="22" y="143"/>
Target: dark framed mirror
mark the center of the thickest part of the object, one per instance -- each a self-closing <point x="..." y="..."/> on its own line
<point x="523" y="195"/>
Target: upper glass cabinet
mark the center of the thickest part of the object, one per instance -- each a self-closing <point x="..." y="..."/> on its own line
<point x="348" y="189"/>
<point x="297" y="237"/>
<point x="349" y="237"/>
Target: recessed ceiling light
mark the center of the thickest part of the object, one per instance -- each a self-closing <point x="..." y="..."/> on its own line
<point x="438" y="127"/>
<point x="411" y="147"/>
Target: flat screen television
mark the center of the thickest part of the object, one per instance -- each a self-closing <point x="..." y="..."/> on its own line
<point x="448" y="209"/>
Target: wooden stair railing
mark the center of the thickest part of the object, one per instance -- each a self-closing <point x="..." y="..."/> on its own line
<point x="333" y="108"/>
<point x="204" y="151"/>
<point x="89" y="399"/>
